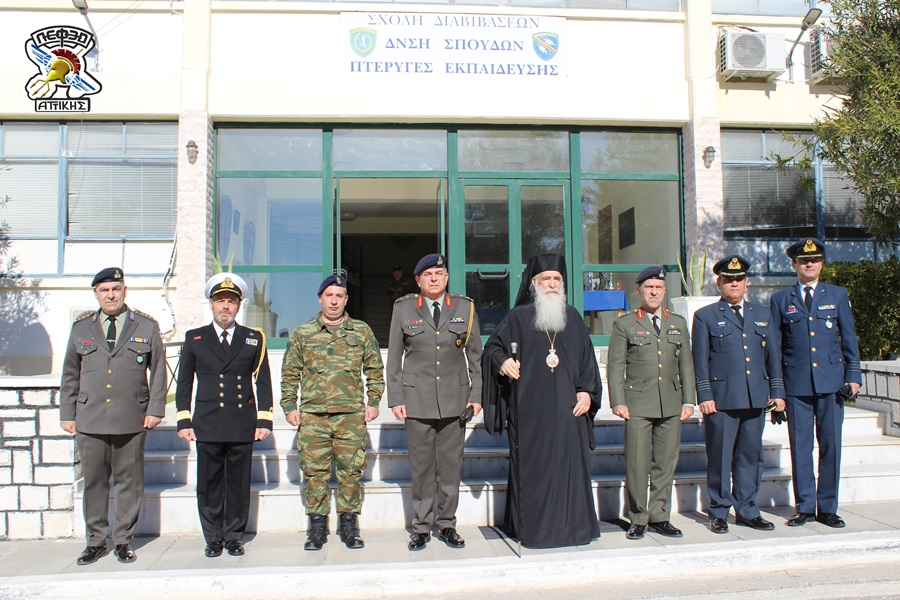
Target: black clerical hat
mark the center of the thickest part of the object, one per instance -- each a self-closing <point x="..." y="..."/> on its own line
<point x="536" y="265"/>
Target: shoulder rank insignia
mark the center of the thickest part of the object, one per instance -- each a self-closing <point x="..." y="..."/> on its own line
<point x="143" y="314"/>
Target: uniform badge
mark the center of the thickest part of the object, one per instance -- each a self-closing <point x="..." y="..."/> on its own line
<point x="791" y="309"/>
<point x="352" y="339"/>
<point x="761" y="323"/>
<point x="457" y="320"/>
<point x="85" y="342"/>
<point x="140" y="340"/>
<point x="196" y="337"/>
<point x="721" y="324"/>
<point x="674" y="331"/>
<point x="827" y="307"/>
<point x="252" y="342"/>
<point x="829" y="324"/>
<point x="140" y="359"/>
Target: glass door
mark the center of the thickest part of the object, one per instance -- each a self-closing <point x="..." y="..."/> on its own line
<point x="503" y="224"/>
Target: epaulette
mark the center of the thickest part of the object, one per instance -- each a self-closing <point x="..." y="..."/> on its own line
<point x="145" y="315"/>
<point x="84" y="315"/>
<point x="406" y="297"/>
<point x="463" y="296"/>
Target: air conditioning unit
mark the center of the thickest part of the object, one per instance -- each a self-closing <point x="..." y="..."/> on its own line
<point x="820" y="48"/>
<point x="751" y="55"/>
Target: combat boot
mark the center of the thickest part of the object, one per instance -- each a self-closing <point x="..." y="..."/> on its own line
<point x="349" y="531"/>
<point x="318" y="532"/>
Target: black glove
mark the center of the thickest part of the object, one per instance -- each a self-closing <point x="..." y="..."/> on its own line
<point x="776" y="416"/>
<point x="845" y="393"/>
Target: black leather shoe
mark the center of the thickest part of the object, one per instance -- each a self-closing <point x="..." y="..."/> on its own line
<point x="213" y="549"/>
<point x="635" y="532"/>
<point x="665" y="528"/>
<point x="124" y="553"/>
<point x="417" y="541"/>
<point x="831" y="519"/>
<point x="718" y="525"/>
<point x="234" y="547"/>
<point x="92" y="554"/>
<point x="800" y="518"/>
<point x="449" y="536"/>
<point x="756" y="523"/>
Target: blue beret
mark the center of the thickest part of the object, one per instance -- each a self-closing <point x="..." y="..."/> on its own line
<point x="110" y="274"/>
<point x="432" y="260"/>
<point x="808" y="248"/>
<point x="650" y="273"/>
<point x="732" y="265"/>
<point x="338" y="280"/>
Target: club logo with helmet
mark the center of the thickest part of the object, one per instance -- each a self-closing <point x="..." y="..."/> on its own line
<point x="62" y="82"/>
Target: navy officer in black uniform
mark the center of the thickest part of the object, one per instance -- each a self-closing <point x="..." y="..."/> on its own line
<point x="228" y="417"/>
<point x="737" y="374"/>
<point x="814" y="335"/>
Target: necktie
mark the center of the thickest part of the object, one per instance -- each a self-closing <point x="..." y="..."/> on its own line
<point x="737" y="312"/>
<point x="807" y="298"/>
<point x="437" y="313"/>
<point x="111" y="333"/>
<point x="656" y="323"/>
<point x="225" y="343"/>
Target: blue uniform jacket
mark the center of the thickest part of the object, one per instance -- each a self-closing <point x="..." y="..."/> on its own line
<point x="818" y="349"/>
<point x="735" y="366"/>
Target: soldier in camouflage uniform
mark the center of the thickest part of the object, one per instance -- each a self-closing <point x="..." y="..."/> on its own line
<point x="329" y="354"/>
<point x="399" y="286"/>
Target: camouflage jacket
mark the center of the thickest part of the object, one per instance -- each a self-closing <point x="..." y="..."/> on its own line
<point x="330" y="367"/>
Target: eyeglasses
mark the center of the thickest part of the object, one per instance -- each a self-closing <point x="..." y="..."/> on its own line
<point x="728" y="279"/>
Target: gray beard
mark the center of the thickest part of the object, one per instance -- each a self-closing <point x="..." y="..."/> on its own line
<point x="549" y="310"/>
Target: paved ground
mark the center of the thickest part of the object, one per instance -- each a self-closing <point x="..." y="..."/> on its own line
<point x="814" y="561"/>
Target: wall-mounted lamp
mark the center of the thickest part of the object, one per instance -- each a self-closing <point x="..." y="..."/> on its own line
<point x="348" y="215"/>
<point x="192" y="151"/>
<point x="709" y="155"/>
<point x="81" y="5"/>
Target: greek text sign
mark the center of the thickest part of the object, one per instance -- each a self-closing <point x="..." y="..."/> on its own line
<point x="454" y="44"/>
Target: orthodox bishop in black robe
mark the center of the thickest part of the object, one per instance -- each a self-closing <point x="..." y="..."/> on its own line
<point x="546" y="402"/>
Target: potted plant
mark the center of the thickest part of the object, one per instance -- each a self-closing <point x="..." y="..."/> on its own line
<point x="694" y="282"/>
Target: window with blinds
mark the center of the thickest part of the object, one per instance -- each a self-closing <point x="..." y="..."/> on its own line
<point x="89" y="180"/>
<point x="761" y="203"/>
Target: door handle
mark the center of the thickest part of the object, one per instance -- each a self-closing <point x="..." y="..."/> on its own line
<point x="504" y="274"/>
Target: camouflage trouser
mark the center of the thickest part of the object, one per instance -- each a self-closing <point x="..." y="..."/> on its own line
<point x="321" y="438"/>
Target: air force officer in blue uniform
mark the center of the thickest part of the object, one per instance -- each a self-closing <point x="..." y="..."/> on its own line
<point x="815" y="338"/>
<point x="737" y="374"/>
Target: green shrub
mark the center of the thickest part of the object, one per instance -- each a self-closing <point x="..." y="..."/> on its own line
<point x="872" y="289"/>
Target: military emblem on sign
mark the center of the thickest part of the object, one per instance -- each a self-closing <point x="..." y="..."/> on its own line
<point x="546" y="44"/>
<point x="362" y="40"/>
<point x="62" y="81"/>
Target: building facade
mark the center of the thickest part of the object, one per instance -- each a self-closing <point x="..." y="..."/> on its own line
<point x="285" y="140"/>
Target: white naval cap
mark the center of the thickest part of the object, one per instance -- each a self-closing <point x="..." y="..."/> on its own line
<point x="226" y="282"/>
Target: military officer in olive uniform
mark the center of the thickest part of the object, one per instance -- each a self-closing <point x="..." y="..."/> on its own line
<point x="433" y="376"/>
<point x="399" y="285"/>
<point x="815" y="338"/>
<point x="737" y="375"/>
<point x="106" y="402"/>
<point x="227" y="415"/>
<point x="329" y="355"/>
<point x="651" y="386"/>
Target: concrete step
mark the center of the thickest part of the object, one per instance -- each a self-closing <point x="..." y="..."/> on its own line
<point x="392" y="436"/>
<point x="279" y="507"/>
<point x="274" y="466"/>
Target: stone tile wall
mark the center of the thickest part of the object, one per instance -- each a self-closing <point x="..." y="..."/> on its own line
<point x="37" y="466"/>
<point x="881" y="391"/>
